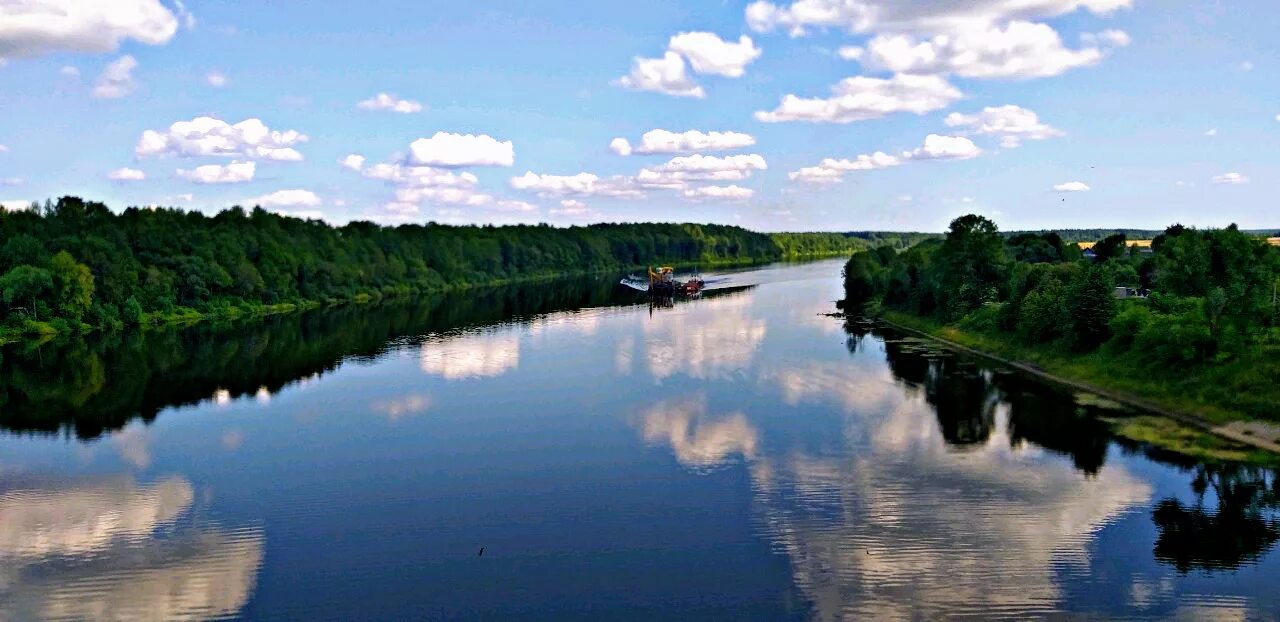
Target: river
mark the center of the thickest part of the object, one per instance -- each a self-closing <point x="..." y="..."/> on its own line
<point x="565" y="451"/>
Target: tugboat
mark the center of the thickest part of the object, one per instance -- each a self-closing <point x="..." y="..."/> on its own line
<point x="662" y="283"/>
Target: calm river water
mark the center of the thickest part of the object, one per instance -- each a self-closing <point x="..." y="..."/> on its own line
<point x="567" y="452"/>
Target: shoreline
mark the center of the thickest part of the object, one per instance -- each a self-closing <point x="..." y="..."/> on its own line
<point x="1244" y="431"/>
<point x="188" y="316"/>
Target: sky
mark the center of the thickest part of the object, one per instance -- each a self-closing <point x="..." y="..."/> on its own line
<point x="769" y="114"/>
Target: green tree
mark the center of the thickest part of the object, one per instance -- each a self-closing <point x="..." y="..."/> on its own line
<point x="1091" y="305"/>
<point x="26" y="284"/>
<point x="972" y="263"/>
<point x="73" y="284"/>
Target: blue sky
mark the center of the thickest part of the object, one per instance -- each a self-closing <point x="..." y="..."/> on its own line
<point x="1037" y="113"/>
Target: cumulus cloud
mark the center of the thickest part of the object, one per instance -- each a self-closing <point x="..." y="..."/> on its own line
<point x="832" y="170"/>
<point x="69" y="71"/>
<point x="390" y="103"/>
<point x="457" y="150"/>
<point x="620" y="146"/>
<point x="1211" y="132"/>
<point x="665" y="75"/>
<point x="938" y="147"/>
<point x="709" y="54"/>
<point x="4" y="149"/>
<point x="418" y="176"/>
<point x="207" y="136"/>
<point x="1018" y="50"/>
<point x="861" y="98"/>
<point x="14" y="205"/>
<point x="286" y="198"/>
<point x="692" y="141"/>
<point x="1230" y="178"/>
<point x="116" y="80"/>
<point x="817" y="175"/>
<point x="353" y="161"/>
<point x="935" y="147"/>
<point x="718" y="193"/>
<point x="127" y="174"/>
<point x="36" y="27"/>
<point x="581" y="184"/>
<point x="861" y="16"/>
<point x="216" y="79"/>
<point x="237" y="171"/>
<point x="1072" y="186"/>
<point x="1012" y="124"/>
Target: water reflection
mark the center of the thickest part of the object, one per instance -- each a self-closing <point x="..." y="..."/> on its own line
<point x="697" y="439"/>
<point x="89" y="386"/>
<point x="471" y="355"/>
<point x="1242" y="527"/>
<point x="117" y="549"/>
<point x="705" y="342"/>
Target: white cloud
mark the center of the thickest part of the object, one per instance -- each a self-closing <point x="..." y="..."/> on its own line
<point x="188" y="20"/>
<point x="582" y="184"/>
<point x="1018" y="50"/>
<point x="1108" y="38"/>
<point x="116" y="80"/>
<point x="216" y="79"/>
<point x="661" y="75"/>
<point x="863" y="162"/>
<point x="572" y="206"/>
<point x="832" y="170"/>
<point x="286" y="198"/>
<point x="1230" y="178"/>
<point x="35" y="27"/>
<point x="390" y="103"/>
<point x="709" y="54"/>
<point x="911" y="15"/>
<point x="4" y="149"/>
<point x="861" y="98"/>
<point x="663" y="141"/>
<point x="353" y="161"/>
<point x="69" y="71"/>
<point x="207" y="136"/>
<point x="1012" y="124"/>
<point x="127" y="174"/>
<point x="14" y="205"/>
<point x="10" y="181"/>
<point x="419" y="176"/>
<point x="455" y="150"/>
<point x="1072" y="186"/>
<point x="237" y="171"/>
<point x="1211" y="132"/>
<point x="816" y="175"/>
<point x="620" y="146"/>
<point x="1246" y="66"/>
<point x="699" y="163"/>
<point x="937" y="147"/>
<point x="719" y="193"/>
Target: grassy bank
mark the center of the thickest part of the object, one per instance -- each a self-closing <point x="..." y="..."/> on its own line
<point x="1206" y="404"/>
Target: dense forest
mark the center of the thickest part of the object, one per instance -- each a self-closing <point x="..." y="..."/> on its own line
<point x="74" y="264"/>
<point x="1199" y="318"/>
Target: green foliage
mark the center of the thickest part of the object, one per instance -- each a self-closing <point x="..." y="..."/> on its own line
<point x="1214" y="292"/>
<point x="79" y="261"/>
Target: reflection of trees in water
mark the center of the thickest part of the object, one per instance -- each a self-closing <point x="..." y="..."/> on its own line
<point x="1243" y="527"/>
<point x="99" y="384"/>
<point x="965" y="397"/>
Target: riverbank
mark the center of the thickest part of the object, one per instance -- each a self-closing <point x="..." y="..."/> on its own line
<point x="36" y="332"/>
<point x="1086" y="373"/>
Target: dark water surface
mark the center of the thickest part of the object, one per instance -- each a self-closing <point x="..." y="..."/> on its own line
<point x="736" y="457"/>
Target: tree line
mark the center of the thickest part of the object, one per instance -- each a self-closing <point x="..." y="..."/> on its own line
<point x="1211" y="312"/>
<point x="74" y="263"/>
